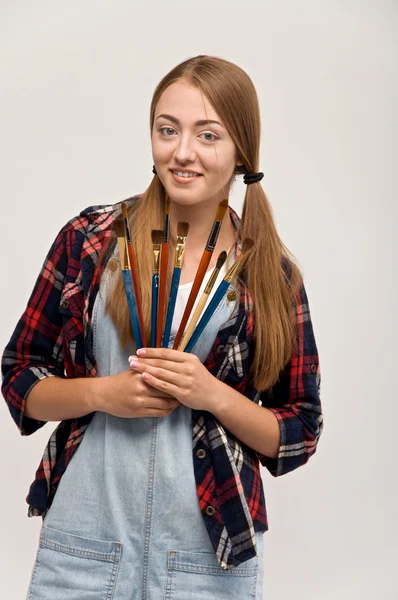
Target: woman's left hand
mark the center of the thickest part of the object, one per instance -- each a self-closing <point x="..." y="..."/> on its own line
<point x="180" y="374"/>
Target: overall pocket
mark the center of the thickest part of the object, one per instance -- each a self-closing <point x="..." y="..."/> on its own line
<point x="74" y="567"/>
<point x="198" y="575"/>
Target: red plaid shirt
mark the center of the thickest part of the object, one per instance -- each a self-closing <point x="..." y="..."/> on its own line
<point x="54" y="338"/>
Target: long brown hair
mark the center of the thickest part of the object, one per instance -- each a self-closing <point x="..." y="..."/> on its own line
<point x="271" y="275"/>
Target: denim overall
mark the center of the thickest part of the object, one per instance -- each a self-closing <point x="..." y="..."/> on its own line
<point x="125" y="522"/>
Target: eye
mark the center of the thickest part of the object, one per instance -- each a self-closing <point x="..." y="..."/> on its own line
<point x="214" y="137"/>
<point x="168" y="129"/>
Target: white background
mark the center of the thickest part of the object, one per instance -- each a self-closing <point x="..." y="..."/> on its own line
<point x="77" y="79"/>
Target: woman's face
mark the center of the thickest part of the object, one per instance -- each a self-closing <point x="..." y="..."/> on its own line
<point x="183" y="140"/>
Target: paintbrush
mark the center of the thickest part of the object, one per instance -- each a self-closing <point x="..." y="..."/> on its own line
<point x="163" y="272"/>
<point x="218" y="295"/>
<point x="202" y="302"/>
<point x="119" y="229"/>
<point x="134" y="272"/>
<point x="157" y="236"/>
<point x="182" y="233"/>
<point x="202" y="268"/>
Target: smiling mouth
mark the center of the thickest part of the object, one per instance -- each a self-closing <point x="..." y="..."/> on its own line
<point x="185" y="174"/>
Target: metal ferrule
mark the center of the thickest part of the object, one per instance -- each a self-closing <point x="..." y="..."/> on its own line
<point x="124" y="258"/>
<point x="156" y="259"/>
<point x="180" y="247"/>
<point x="211" y="282"/>
<point x="211" y="242"/>
<point x="232" y="271"/>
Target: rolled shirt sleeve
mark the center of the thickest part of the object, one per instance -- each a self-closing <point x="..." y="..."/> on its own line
<point x="295" y="399"/>
<point x="35" y="349"/>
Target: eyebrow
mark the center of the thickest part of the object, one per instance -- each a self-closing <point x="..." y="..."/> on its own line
<point x="197" y="124"/>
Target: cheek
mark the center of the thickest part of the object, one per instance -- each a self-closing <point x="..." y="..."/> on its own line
<point x="223" y="163"/>
<point x="160" y="151"/>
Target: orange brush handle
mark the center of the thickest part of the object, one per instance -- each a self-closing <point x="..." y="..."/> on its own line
<point x="200" y="273"/>
<point x="134" y="273"/>
<point x="162" y="292"/>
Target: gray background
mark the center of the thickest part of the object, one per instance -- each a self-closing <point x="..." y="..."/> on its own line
<point x="77" y="80"/>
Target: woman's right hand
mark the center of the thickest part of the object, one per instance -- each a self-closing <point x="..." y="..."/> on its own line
<point x="127" y="395"/>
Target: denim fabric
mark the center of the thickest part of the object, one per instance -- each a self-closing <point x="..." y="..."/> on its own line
<point x="132" y="528"/>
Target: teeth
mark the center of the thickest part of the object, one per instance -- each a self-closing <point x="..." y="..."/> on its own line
<point x="181" y="174"/>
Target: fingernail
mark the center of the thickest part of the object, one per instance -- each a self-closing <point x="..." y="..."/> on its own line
<point x="133" y="357"/>
<point x="134" y="362"/>
<point x="141" y="352"/>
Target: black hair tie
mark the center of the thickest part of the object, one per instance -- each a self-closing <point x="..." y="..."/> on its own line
<point x="249" y="178"/>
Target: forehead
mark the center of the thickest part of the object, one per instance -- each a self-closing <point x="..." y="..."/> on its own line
<point x="186" y="102"/>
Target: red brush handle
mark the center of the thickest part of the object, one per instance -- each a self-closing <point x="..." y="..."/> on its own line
<point x="134" y="273"/>
<point x="200" y="273"/>
<point x="162" y="292"/>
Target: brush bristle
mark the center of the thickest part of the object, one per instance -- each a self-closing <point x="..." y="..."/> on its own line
<point x="124" y="210"/>
<point x="167" y="206"/>
<point x="247" y="244"/>
<point x="182" y="228"/>
<point x="222" y="257"/>
<point x="221" y="210"/>
<point x="157" y="236"/>
<point x="118" y="227"/>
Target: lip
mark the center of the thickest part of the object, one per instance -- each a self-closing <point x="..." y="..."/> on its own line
<point x="184" y="180"/>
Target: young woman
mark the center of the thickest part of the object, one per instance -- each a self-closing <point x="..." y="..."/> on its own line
<point x="150" y="486"/>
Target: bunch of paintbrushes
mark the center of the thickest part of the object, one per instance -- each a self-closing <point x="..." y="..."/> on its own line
<point x="202" y="269"/>
<point x="160" y="242"/>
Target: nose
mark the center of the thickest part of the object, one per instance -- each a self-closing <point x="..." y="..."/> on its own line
<point x="185" y="150"/>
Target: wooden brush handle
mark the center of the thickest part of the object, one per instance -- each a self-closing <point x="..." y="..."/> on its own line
<point x="200" y="273"/>
<point x="134" y="273"/>
<point x="162" y="291"/>
<point x="193" y="321"/>
<point x="154" y="308"/>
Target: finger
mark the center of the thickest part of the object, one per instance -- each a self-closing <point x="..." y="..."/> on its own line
<point x="160" y="384"/>
<point x="162" y="374"/>
<point x="139" y="364"/>
<point x="161" y="403"/>
<point x="154" y="393"/>
<point x="154" y="412"/>
<point x="163" y="353"/>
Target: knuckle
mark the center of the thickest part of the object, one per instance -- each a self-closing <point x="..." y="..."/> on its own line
<point x="139" y="401"/>
<point x="185" y="392"/>
<point x="189" y="368"/>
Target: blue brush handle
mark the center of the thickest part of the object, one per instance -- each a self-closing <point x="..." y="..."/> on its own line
<point x="172" y="303"/>
<point x="154" y="314"/>
<point x="131" y="302"/>
<point x="214" y="302"/>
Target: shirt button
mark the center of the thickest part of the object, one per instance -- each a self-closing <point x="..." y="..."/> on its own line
<point x="220" y="348"/>
<point x="210" y="510"/>
<point x="201" y="453"/>
<point x="313" y="368"/>
<point x="65" y="303"/>
<point x="112" y="265"/>
<point x="231" y="296"/>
